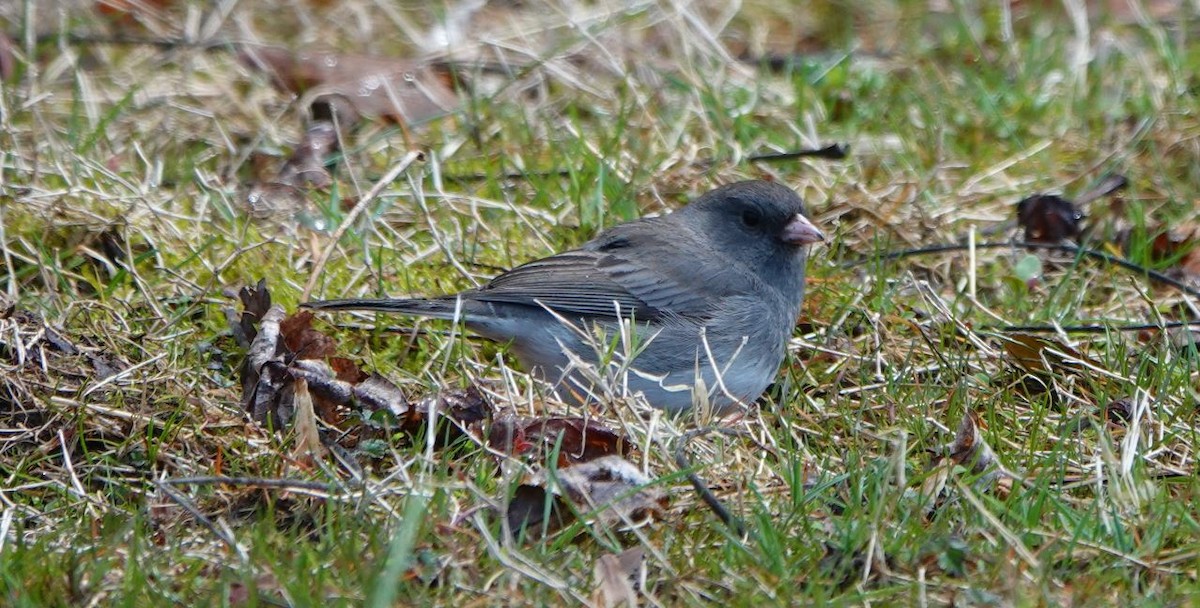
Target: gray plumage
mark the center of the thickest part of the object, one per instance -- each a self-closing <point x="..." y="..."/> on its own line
<point x="711" y="291"/>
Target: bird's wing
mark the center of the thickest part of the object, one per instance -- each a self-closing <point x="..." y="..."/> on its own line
<point x="595" y="282"/>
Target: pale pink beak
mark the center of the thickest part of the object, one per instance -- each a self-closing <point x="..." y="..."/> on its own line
<point x="800" y="231"/>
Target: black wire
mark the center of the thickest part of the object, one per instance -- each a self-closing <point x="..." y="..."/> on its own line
<point x="1083" y="251"/>
<point x="698" y="484"/>
<point x="1079" y="251"/>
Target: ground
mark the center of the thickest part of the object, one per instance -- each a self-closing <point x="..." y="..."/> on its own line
<point x="134" y="138"/>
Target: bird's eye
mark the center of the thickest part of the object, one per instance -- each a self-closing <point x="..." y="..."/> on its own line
<point x="751" y="218"/>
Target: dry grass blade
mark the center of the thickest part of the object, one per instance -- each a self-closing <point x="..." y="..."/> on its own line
<point x="319" y="265"/>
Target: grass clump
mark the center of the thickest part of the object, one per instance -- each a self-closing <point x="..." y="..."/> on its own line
<point x="123" y="175"/>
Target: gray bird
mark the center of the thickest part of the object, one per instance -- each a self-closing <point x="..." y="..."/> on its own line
<point x="707" y="295"/>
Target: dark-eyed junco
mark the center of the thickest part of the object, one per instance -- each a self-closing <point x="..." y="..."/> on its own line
<point x="691" y="306"/>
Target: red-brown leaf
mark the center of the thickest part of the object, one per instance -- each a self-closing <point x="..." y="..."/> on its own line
<point x="581" y="439"/>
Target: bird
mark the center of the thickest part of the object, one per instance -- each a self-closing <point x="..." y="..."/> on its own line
<point x="691" y="307"/>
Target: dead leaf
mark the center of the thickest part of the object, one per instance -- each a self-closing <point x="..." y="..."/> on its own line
<point x="307" y="165"/>
<point x="613" y="575"/>
<point x="398" y="90"/>
<point x="378" y="393"/>
<point x="1179" y="247"/>
<point x="969" y="448"/>
<point x="290" y="366"/>
<point x="536" y="511"/>
<point x="1119" y="412"/>
<point x="457" y="409"/>
<point x="1109" y="185"/>
<point x="346" y="370"/>
<point x="610" y="490"/>
<point x="269" y="401"/>
<point x="970" y="451"/>
<point x="127" y="13"/>
<point x="1048" y="218"/>
<point x="1040" y="355"/>
<point x="614" y="488"/>
<point x="934" y="486"/>
<point x="256" y="301"/>
<point x="272" y="201"/>
<point x="239" y="594"/>
<point x="266" y="344"/>
<point x="304" y="341"/>
<point x="284" y="197"/>
<point x="465" y="406"/>
<point x="308" y="440"/>
<point x="266" y="584"/>
<point x="576" y="439"/>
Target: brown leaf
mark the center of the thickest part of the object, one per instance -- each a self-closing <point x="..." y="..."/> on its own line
<point x="613" y="491"/>
<point x="536" y="511"/>
<point x="278" y="202"/>
<point x="461" y="405"/>
<point x="255" y="301"/>
<point x="1041" y="356"/>
<point x="464" y="407"/>
<point x="613" y="575"/>
<point x="397" y="90"/>
<point x="969" y="448"/>
<point x="1119" y="412"/>
<point x="269" y="399"/>
<point x="615" y="486"/>
<point x="266" y="381"/>
<point x="577" y="439"/>
<point x="326" y="390"/>
<point x="304" y="341"/>
<point x="346" y="370"/>
<point x="1109" y="185"/>
<point x="306" y="167"/>
<point x="1048" y="218"/>
<point x="1180" y="247"/>
<point x="379" y="393"/>
<point x="239" y="594"/>
<point x="285" y="371"/>
<point x="266" y="344"/>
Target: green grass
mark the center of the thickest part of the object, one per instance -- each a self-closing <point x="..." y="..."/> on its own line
<point x="122" y="174"/>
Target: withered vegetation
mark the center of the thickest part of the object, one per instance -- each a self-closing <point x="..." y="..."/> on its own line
<point x="969" y="425"/>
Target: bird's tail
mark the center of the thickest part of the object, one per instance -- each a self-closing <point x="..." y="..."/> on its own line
<point x="439" y="308"/>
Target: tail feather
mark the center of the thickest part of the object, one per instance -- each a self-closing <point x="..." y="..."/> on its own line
<point x="440" y="308"/>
